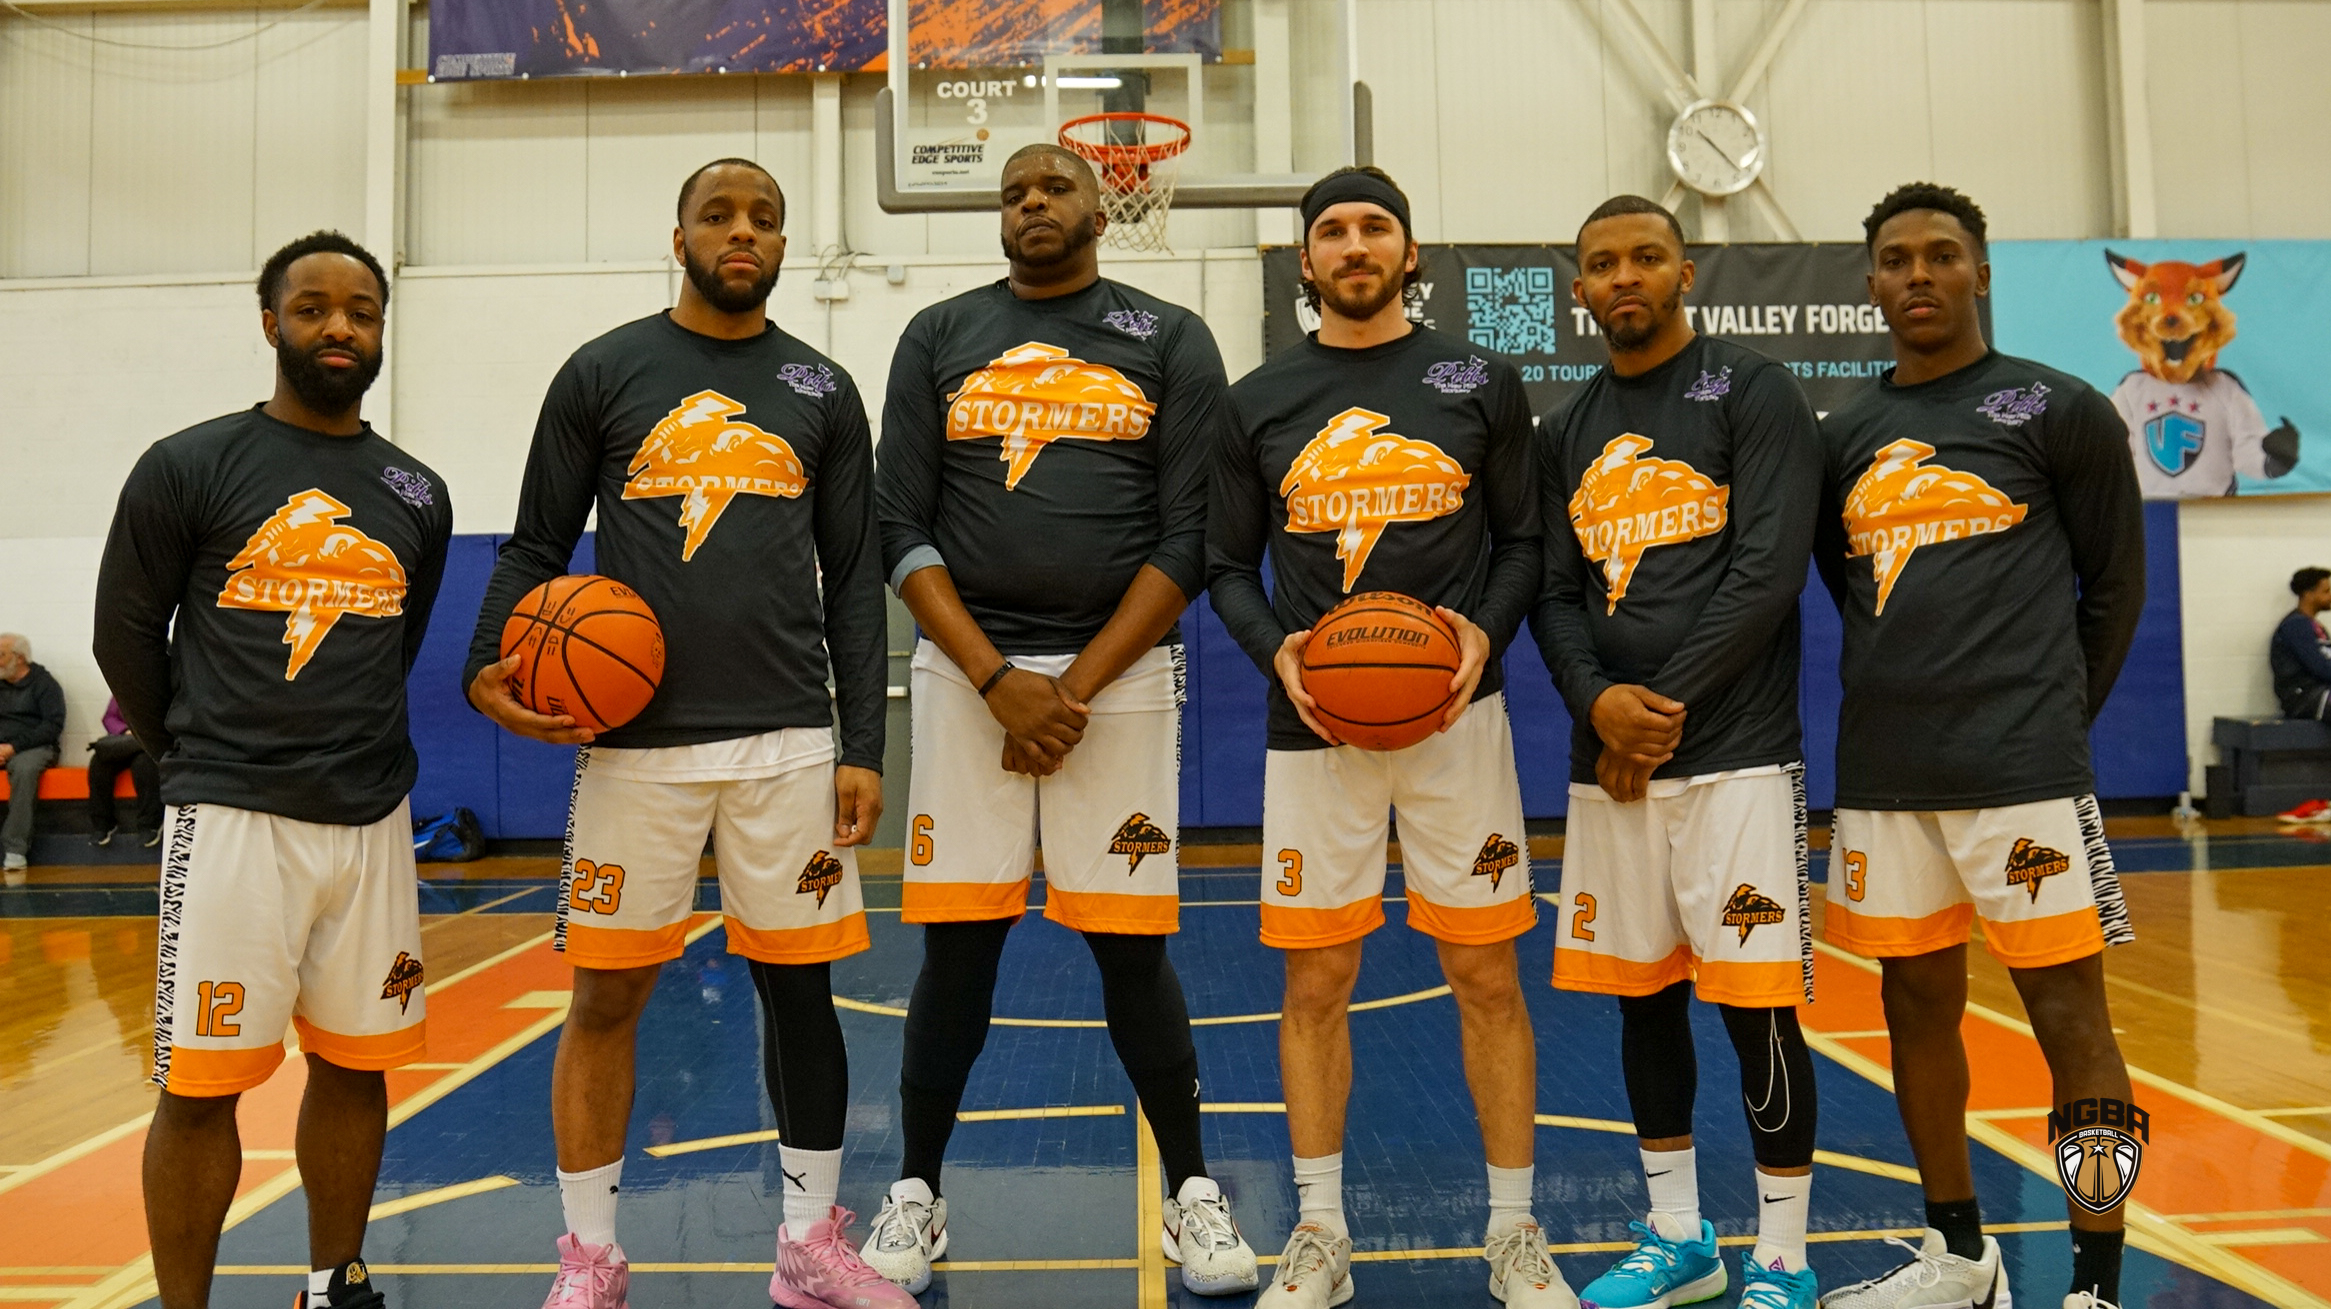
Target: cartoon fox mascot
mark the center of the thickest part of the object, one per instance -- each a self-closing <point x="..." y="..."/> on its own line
<point x="2192" y="425"/>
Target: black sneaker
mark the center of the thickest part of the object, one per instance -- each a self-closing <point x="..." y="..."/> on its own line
<point x="103" y="838"/>
<point x="351" y="1289"/>
<point x="152" y="839"/>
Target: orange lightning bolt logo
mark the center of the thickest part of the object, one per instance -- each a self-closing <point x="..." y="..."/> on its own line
<point x="1901" y="504"/>
<point x="1035" y="394"/>
<point x="304" y="563"/>
<point x="704" y="452"/>
<point x="1355" y="479"/>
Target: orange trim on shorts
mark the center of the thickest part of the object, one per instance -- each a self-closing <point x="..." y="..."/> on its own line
<point x="1470" y="925"/>
<point x="195" y="1071"/>
<point x="820" y="944"/>
<point x="590" y="946"/>
<point x="1604" y="974"/>
<point x="1750" y="984"/>
<point x="1892" y="938"/>
<point x="1114" y="911"/>
<point x="961" y="902"/>
<point x="363" y="1053"/>
<point x="1299" y="927"/>
<point x="2045" y="942"/>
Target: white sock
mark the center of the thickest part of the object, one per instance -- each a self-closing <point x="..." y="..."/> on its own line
<point x="1781" y="1203"/>
<point x="1509" y="1197"/>
<point x="1319" y="1191"/>
<point x="1674" y="1179"/>
<point x="812" y="1179"/>
<point x="588" y="1197"/>
<point x="319" y="1286"/>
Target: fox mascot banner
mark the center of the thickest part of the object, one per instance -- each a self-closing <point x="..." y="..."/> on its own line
<point x="2213" y="351"/>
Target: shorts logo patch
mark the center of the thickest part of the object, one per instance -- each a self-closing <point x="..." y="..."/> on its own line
<point x="1748" y="910"/>
<point x="821" y="874"/>
<point x="2031" y="863"/>
<point x="404" y="978"/>
<point x="1497" y="855"/>
<point x="1137" y="836"/>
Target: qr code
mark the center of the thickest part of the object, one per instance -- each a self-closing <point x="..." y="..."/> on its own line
<point x="1510" y="310"/>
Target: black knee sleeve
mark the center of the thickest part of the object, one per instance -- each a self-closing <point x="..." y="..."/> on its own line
<point x="1149" y="1023"/>
<point x="1776" y="1083"/>
<point x="1663" y="1071"/>
<point x="802" y="1056"/>
<point x="946" y="1028"/>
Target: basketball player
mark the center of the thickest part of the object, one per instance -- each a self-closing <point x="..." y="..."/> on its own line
<point x="1383" y="456"/>
<point x="1688" y="475"/>
<point x="1986" y="544"/>
<point x="1043" y="496"/>
<point x="731" y="468"/>
<point x="265" y="588"/>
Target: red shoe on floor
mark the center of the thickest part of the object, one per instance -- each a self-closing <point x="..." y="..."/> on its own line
<point x="2313" y="811"/>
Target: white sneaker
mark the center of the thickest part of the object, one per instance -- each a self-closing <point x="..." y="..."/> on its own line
<point x="1522" y="1271"/>
<point x="1201" y="1235"/>
<point x="909" y="1233"/>
<point x="1933" y="1279"/>
<point x="2087" y="1300"/>
<point x="1314" y="1272"/>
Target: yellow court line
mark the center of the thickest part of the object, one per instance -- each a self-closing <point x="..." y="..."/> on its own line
<point x="271" y="1154"/>
<point x="1588" y="1125"/>
<point x="1854" y="1163"/>
<point x="712" y="1143"/>
<point x="1390" y="1001"/>
<point x="2265" y="1236"/>
<point x="70" y="1153"/>
<point x="1149" y="1216"/>
<point x="42" y="1293"/>
<point x="1042" y="1111"/>
<point x="1242" y="1107"/>
<point x="2304" y="1111"/>
<point x="405" y="1204"/>
<point x="1864" y="1034"/>
<point x="1992" y="1115"/>
<point x="541" y="1000"/>
<point x="56" y="1270"/>
<point x="2249" y="1216"/>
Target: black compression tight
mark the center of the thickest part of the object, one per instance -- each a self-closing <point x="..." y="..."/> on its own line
<point x="946" y="1028"/>
<point x="802" y="1055"/>
<point x="1776" y="1072"/>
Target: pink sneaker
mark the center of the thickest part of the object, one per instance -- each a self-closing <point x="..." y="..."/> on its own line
<point x="589" y="1277"/>
<point x="822" y="1271"/>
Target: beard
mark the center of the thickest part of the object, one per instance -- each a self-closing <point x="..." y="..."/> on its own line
<point x="1073" y="239"/>
<point x="1634" y="338"/>
<point x="1354" y="303"/>
<point x="723" y="295"/>
<point x="319" y="386"/>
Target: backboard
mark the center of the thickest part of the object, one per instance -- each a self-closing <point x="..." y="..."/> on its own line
<point x="972" y="81"/>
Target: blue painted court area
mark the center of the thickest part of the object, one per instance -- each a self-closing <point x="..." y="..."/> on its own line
<point x="1047" y="1193"/>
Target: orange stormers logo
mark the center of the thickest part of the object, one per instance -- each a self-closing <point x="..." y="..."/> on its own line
<point x="1497" y="855"/>
<point x="1626" y="504"/>
<point x="1355" y="479"/>
<point x="1899" y="505"/>
<point x="703" y="451"/>
<point x="404" y="977"/>
<point x="2031" y="863"/>
<point x="821" y="874"/>
<point x="1749" y="909"/>
<point x="303" y="562"/>
<point x="1138" y="836"/>
<point x="1035" y="394"/>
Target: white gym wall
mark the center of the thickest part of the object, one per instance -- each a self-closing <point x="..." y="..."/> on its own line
<point x="139" y="189"/>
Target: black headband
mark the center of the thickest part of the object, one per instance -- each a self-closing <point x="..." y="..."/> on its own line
<point x="1348" y="187"/>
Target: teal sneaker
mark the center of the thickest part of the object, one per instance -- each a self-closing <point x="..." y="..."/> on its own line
<point x="1664" y="1269"/>
<point x="1770" y="1288"/>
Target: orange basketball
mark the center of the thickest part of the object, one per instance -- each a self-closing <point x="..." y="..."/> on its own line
<point x="1379" y="666"/>
<point x="587" y="646"/>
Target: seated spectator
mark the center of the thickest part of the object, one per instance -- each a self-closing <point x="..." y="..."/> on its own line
<point x="108" y="755"/>
<point x="32" y="718"/>
<point x="2301" y="652"/>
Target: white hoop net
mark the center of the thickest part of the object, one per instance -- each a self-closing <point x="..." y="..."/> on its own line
<point x="1138" y="160"/>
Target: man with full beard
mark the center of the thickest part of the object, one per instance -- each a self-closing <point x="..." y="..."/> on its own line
<point x="731" y="469"/>
<point x="1043" y="499"/>
<point x="1680" y="488"/>
<point x="1379" y="455"/>
<point x="288" y="889"/>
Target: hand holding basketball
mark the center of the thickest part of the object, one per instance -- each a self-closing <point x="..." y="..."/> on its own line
<point x="587" y="649"/>
<point x="489" y="694"/>
<point x="1289" y="663"/>
<point x="1473" y="656"/>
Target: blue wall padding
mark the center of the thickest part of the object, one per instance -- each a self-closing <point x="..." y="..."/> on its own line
<point x="519" y="788"/>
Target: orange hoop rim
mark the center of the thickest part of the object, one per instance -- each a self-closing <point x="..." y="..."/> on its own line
<point x="1118" y="153"/>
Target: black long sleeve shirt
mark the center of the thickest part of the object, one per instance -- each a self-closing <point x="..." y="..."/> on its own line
<point x="1985" y="539"/>
<point x="2300" y="658"/>
<point x="728" y="475"/>
<point x="32" y="711"/>
<point x="1680" y="507"/>
<point x="1043" y="451"/>
<point x="1400" y="467"/>
<point x="299" y="570"/>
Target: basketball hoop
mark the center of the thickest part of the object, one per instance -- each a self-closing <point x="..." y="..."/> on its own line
<point x="1137" y="157"/>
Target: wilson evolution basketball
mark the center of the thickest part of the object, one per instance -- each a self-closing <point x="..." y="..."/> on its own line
<point x="1379" y="666"/>
<point x="588" y="647"/>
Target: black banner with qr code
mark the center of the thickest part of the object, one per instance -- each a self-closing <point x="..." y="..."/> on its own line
<point x="1806" y="305"/>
